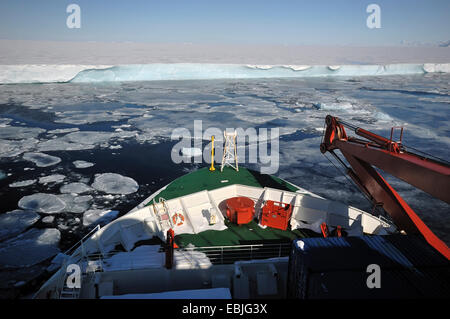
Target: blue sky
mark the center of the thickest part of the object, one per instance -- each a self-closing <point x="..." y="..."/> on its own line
<point x="293" y="22"/>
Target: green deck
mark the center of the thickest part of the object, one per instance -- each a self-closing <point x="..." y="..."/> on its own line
<point x="251" y="233"/>
<point x="203" y="179"/>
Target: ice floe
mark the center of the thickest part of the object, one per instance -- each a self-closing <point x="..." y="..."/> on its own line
<point x="55" y="178"/>
<point x="42" y="203"/>
<point x="30" y="248"/>
<point x="76" y="204"/>
<point x="41" y="159"/>
<point x="97" y="216"/>
<point x="75" y="188"/>
<point x="113" y="183"/>
<point x="19" y="133"/>
<point x="15" y="222"/>
<point x="48" y="219"/>
<point x="82" y="164"/>
<point x="191" y="151"/>
<point x="11" y="148"/>
<point x="63" y="130"/>
<point x="23" y="183"/>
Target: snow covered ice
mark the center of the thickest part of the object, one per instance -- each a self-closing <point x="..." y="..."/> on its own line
<point x="112" y="183"/>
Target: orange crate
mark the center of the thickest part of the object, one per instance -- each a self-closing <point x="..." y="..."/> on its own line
<point x="276" y="215"/>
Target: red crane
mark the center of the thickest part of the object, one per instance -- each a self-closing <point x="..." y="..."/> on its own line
<point x="430" y="175"/>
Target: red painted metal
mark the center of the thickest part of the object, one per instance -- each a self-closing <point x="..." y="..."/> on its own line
<point x="324" y="229"/>
<point x="276" y="214"/>
<point x="339" y="231"/>
<point x="240" y="210"/>
<point x="424" y="173"/>
<point x="170" y="245"/>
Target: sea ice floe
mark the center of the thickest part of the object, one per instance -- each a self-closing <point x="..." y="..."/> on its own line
<point x="88" y="117"/>
<point x="11" y="148"/>
<point x="55" y="178"/>
<point x="4" y="122"/>
<point x="82" y="164"/>
<point x="23" y="183"/>
<point x="191" y="151"/>
<point x="112" y="183"/>
<point x="41" y="159"/>
<point x="97" y="216"/>
<point x="76" y="204"/>
<point x="75" y="188"/>
<point x="19" y="133"/>
<point x="48" y="219"/>
<point x="88" y="137"/>
<point x="63" y="130"/>
<point x="14" y="222"/>
<point x="30" y="248"/>
<point x="42" y="203"/>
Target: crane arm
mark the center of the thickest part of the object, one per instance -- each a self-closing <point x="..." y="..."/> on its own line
<point x="429" y="175"/>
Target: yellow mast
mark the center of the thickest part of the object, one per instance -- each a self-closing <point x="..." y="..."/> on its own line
<point x="212" y="154"/>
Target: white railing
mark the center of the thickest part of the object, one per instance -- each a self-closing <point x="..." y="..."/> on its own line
<point x="229" y="254"/>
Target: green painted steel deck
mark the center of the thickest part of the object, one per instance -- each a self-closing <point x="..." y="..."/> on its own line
<point x="251" y="233"/>
<point x="247" y="234"/>
<point x="204" y="179"/>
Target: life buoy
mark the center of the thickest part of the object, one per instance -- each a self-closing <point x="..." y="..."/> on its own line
<point x="178" y="219"/>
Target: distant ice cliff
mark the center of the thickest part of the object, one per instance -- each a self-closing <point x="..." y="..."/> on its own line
<point x="10" y="74"/>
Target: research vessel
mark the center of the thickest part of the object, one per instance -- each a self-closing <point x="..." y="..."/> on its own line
<point x="232" y="232"/>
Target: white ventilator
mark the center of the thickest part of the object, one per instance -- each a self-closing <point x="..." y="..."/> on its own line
<point x="230" y="151"/>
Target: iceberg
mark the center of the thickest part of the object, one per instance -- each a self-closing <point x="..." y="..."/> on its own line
<point x="198" y="71"/>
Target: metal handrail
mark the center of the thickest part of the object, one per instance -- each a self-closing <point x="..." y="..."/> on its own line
<point x="92" y="231"/>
